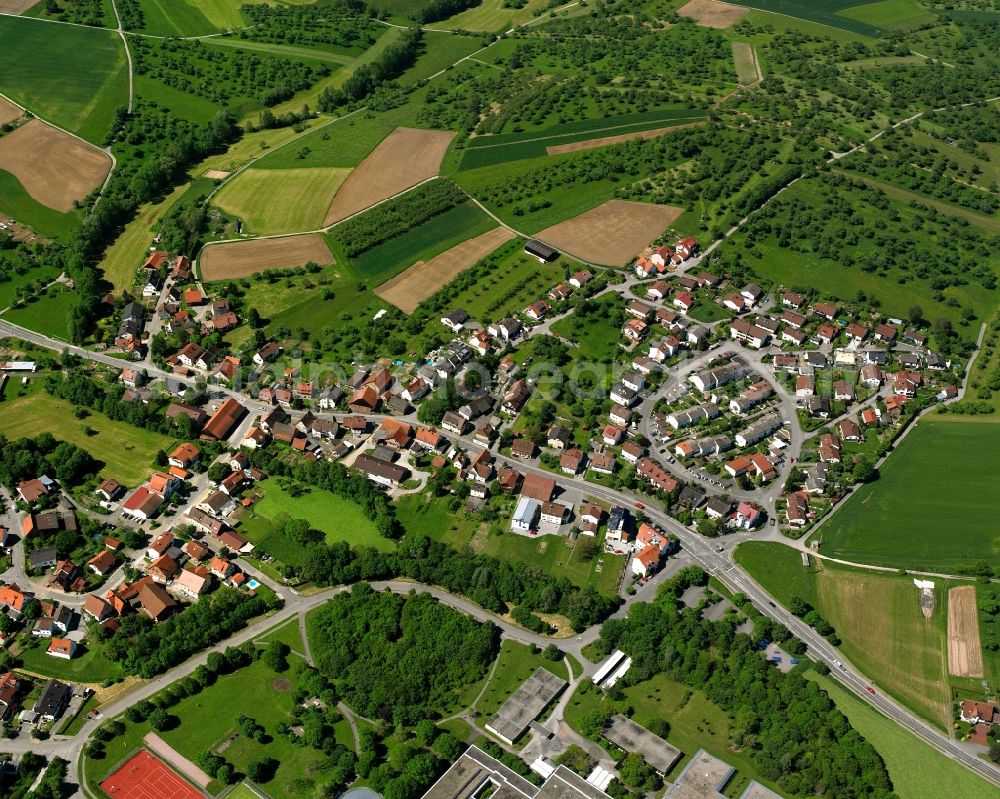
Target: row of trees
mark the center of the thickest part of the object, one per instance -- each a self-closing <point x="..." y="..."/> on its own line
<point x="393" y="61"/>
<point x="143" y="648"/>
<point x="390" y="219"/>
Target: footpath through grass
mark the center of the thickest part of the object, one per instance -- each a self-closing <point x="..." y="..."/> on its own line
<point x="934" y="506"/>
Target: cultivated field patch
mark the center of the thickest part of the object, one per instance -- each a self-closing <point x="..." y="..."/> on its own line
<point x="745" y="62"/>
<point x="54" y="167"/>
<point x="8" y="112"/>
<point x="965" y="652"/>
<point x="403" y="159"/>
<point x="281" y="200"/>
<point x="235" y="259"/>
<point x="216" y="174"/>
<point x="885" y="633"/>
<point x="16" y="6"/>
<point x="613" y="232"/>
<point x="604" y="141"/>
<point x="712" y="13"/>
<point x="407" y="290"/>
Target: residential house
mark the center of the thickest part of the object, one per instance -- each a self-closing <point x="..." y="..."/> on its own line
<point x="455" y="320"/>
<point x="526" y="514"/>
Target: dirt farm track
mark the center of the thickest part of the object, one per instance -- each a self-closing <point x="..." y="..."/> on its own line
<point x="403" y="159"/>
<point x="612" y="233"/>
<point x="965" y="653"/>
<point x="407" y="290"/>
<point x="54" y="167"/>
<point x="235" y="259"/>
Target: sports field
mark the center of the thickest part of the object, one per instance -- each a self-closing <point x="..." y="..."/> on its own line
<point x="56" y="169"/>
<point x="612" y="233"/>
<point x="406" y="157"/>
<point x="934" y="506"/>
<point x="145" y="776"/>
<point x="877" y="617"/>
<point x="917" y="770"/>
<point x="127" y="452"/>
<point x="281" y="200"/>
<point x="234" y="259"/>
<point x="407" y="290"/>
<point x="34" y="65"/>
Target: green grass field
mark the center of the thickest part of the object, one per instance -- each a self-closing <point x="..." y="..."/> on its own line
<point x="420" y="514"/>
<point x="281" y="201"/>
<point x="88" y="667"/>
<point x="207" y="721"/>
<point x="242" y="791"/>
<point x="35" y="63"/>
<point x="48" y="313"/>
<point x="127" y="452"/>
<point x="890" y="14"/>
<point x="25" y="209"/>
<point x="287" y="633"/>
<point x="918" y="771"/>
<point x="828" y="13"/>
<point x="492" y="16"/>
<point x="597" y="335"/>
<point x="8" y="288"/>
<point x="190" y="17"/>
<point x="421" y="243"/>
<point x="506" y="147"/>
<point x="339" y="518"/>
<point x="933" y="507"/>
<point x="876" y="615"/>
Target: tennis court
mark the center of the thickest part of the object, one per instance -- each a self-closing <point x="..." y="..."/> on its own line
<point x="144" y="776"/>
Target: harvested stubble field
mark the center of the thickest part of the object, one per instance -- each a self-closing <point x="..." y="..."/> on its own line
<point x="8" y="111"/>
<point x="54" y="167"/>
<point x="16" y="6"/>
<point x="236" y="259"/>
<point x="613" y="232"/>
<point x="712" y="13"/>
<point x="407" y="290"/>
<point x="604" y="141"/>
<point x="965" y="654"/>
<point x="404" y="158"/>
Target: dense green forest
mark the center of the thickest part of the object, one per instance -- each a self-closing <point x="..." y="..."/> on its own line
<point x="398" y="657"/>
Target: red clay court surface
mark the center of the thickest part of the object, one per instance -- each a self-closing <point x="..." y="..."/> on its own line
<point x="146" y="777"/>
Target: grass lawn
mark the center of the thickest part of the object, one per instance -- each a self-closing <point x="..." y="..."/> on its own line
<point x="918" y="771"/>
<point x="122" y="259"/>
<point x="933" y="507"/>
<point x="695" y="722"/>
<point x="45" y="273"/>
<point x="88" y="667"/>
<point x="47" y="314"/>
<point x="597" y="335"/>
<point x="877" y="616"/>
<point x="27" y="210"/>
<point x="190" y="17"/>
<point x="422" y="242"/>
<point x="242" y="791"/>
<point x="288" y="633"/>
<point x="517" y="662"/>
<point x="339" y="518"/>
<point x="492" y="16"/>
<point x="281" y="201"/>
<point x="36" y="59"/>
<point x="126" y="452"/>
<point x="207" y="721"/>
<point x="421" y="514"/>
